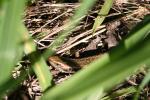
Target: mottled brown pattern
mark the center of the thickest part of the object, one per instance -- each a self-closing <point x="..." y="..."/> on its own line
<point x="65" y="62"/>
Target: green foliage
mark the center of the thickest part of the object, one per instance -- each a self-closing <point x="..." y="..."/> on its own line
<point x="122" y="92"/>
<point x="111" y="68"/>
<point x="89" y="83"/>
<point x="38" y="63"/>
<point x="102" y="14"/>
<point x="12" y="35"/>
<point x="10" y="42"/>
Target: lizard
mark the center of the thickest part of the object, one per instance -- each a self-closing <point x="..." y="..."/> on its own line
<point x="66" y="64"/>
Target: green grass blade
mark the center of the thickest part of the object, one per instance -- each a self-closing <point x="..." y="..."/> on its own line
<point x="10" y="51"/>
<point x="102" y="14"/>
<point x="38" y="63"/>
<point x="95" y="95"/>
<point x="121" y="93"/>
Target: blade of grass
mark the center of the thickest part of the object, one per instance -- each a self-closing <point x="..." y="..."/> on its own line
<point x="100" y="72"/>
<point x="10" y="51"/>
<point x="95" y="95"/>
<point x="38" y="63"/>
<point x="121" y="93"/>
<point x="102" y="14"/>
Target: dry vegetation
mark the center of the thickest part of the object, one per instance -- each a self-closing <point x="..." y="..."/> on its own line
<point x="45" y="19"/>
